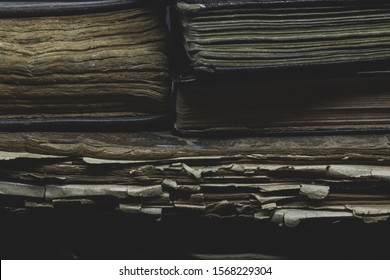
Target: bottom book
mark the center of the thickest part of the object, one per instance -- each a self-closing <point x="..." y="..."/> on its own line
<point x="284" y="104"/>
<point x="282" y="180"/>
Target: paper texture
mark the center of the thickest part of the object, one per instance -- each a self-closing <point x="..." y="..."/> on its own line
<point x="285" y="181"/>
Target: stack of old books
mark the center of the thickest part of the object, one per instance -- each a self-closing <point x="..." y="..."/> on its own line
<point x="250" y="77"/>
<point x="284" y="66"/>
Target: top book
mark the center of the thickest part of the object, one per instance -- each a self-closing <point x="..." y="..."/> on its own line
<point x="225" y="36"/>
<point x="83" y="65"/>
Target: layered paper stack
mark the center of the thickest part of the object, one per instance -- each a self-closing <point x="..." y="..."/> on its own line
<point x="83" y="63"/>
<point x="282" y="180"/>
<point x="225" y="35"/>
<point x="251" y="67"/>
<point x="284" y="66"/>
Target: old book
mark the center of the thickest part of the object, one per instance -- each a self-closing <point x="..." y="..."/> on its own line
<point x="259" y="66"/>
<point x="222" y="35"/>
<point x="83" y="64"/>
<point x="279" y="180"/>
<point x="292" y="103"/>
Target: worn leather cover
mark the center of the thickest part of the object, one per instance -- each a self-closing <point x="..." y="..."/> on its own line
<point x="116" y="124"/>
<point x="28" y="8"/>
<point x="218" y="4"/>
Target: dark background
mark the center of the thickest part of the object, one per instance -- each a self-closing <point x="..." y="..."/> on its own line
<point x="92" y="235"/>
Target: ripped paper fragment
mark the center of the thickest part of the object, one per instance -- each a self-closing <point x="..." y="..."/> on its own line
<point x="316" y="192"/>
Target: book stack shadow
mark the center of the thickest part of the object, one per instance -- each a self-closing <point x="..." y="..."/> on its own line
<point x="241" y="127"/>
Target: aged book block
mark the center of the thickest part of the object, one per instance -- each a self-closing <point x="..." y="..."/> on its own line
<point x="222" y="35"/>
<point x="280" y="180"/>
<point x="284" y="104"/>
<point x="71" y="61"/>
